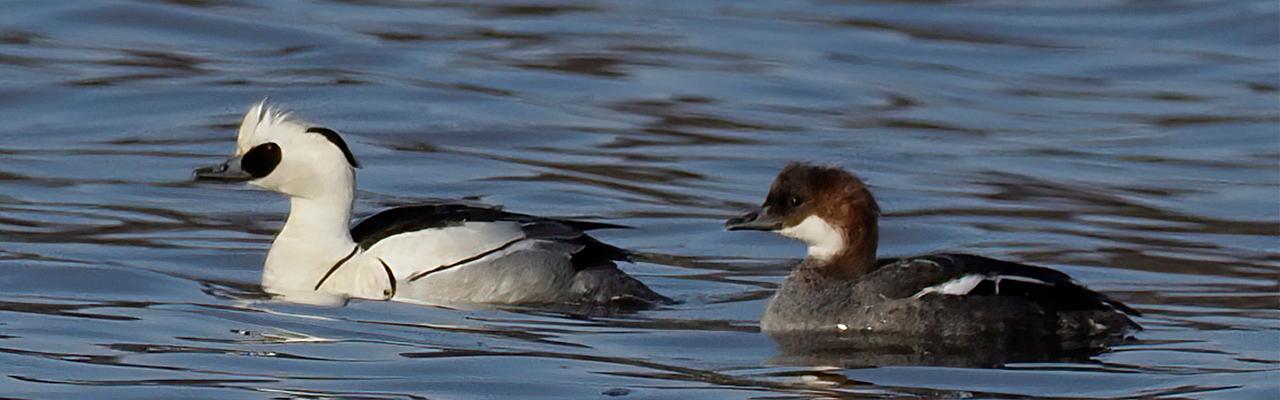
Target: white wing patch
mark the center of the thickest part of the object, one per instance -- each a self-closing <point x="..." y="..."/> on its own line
<point x="965" y="284"/>
<point x="959" y="286"/>
<point x="1019" y="278"/>
<point x="411" y="253"/>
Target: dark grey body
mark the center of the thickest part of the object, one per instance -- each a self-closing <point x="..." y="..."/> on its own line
<point x="812" y="311"/>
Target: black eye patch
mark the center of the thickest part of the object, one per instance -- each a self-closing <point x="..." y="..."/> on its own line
<point x="261" y="160"/>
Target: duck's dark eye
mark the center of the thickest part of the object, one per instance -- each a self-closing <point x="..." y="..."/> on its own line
<point x="795" y="201"/>
<point x="261" y="160"/>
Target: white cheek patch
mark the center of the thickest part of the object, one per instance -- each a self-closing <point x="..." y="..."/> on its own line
<point x="824" y="240"/>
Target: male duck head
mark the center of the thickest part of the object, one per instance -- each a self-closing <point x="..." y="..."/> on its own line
<point x="279" y="153"/>
<point x="827" y="208"/>
<point x="314" y="167"/>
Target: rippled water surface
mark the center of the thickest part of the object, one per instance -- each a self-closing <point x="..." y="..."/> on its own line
<point x="1133" y="144"/>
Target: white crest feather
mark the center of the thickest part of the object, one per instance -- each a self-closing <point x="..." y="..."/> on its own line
<point x="259" y="117"/>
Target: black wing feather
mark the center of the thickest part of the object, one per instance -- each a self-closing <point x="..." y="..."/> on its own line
<point x="398" y="220"/>
<point x="1059" y="292"/>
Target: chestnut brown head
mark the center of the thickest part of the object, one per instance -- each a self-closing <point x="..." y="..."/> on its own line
<point x="827" y="208"/>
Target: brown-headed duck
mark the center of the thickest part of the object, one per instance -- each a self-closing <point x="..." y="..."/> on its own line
<point x="842" y="289"/>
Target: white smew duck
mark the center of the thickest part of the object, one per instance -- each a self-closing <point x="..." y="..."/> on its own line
<point x="438" y="253"/>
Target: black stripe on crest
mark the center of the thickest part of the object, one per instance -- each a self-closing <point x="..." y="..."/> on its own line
<point x="337" y="141"/>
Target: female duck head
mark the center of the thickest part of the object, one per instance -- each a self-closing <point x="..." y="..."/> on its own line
<point x="827" y="208"/>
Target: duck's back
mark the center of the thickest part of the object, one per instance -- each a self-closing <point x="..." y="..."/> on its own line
<point x="948" y="297"/>
<point x="454" y="253"/>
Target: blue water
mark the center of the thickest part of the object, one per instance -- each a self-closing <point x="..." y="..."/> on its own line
<point x="1132" y="144"/>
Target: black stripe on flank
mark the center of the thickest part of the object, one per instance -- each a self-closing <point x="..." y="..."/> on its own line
<point x="423" y="274"/>
<point x="391" y="277"/>
<point x="337" y="141"/>
<point x="335" y="267"/>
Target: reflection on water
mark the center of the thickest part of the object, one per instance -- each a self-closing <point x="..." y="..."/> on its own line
<point x="1131" y="144"/>
<point x="864" y="350"/>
